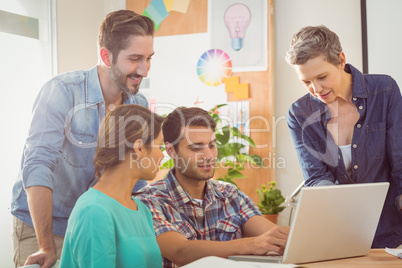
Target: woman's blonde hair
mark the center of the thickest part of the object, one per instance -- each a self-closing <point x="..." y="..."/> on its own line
<point x="119" y="130"/>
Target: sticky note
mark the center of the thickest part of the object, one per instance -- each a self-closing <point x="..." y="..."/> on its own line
<point x="157" y="11"/>
<point x="168" y="5"/>
<point x="180" y="5"/>
<point x="160" y="7"/>
<point x="230" y="83"/>
<point x="241" y="91"/>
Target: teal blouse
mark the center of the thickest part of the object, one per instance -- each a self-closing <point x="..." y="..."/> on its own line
<point x="103" y="233"/>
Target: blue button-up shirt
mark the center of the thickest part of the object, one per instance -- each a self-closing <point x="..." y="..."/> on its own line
<point x="60" y="148"/>
<point x="376" y="145"/>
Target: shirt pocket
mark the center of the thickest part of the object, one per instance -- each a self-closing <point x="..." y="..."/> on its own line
<point x="376" y="140"/>
<point x="229" y="228"/>
<point x="78" y="149"/>
<point x="185" y="229"/>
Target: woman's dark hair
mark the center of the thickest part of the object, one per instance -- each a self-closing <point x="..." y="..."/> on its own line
<point x="120" y="129"/>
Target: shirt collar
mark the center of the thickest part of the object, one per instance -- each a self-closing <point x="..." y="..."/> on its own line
<point x="317" y="105"/>
<point x="93" y="90"/>
<point x="212" y="192"/>
<point x="181" y="197"/>
<point x="359" y="89"/>
<point x="359" y="84"/>
<point x="178" y="194"/>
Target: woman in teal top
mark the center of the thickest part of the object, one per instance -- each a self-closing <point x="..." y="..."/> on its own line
<point x="108" y="227"/>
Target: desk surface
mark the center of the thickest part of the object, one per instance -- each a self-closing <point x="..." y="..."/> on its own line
<point x="377" y="258"/>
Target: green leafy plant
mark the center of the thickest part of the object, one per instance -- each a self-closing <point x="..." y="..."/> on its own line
<point x="270" y="199"/>
<point x="229" y="155"/>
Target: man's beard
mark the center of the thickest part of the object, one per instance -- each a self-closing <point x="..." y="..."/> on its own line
<point x="192" y="170"/>
<point x="120" y="80"/>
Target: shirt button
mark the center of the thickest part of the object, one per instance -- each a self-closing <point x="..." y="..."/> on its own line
<point x="232" y="228"/>
<point x="359" y="126"/>
<point x="360" y="107"/>
<point x="355" y="146"/>
<point x="355" y="166"/>
<point x="80" y="142"/>
<point x="199" y="214"/>
<point x="354" y="98"/>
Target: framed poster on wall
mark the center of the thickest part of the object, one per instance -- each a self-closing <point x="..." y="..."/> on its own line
<point x="239" y="28"/>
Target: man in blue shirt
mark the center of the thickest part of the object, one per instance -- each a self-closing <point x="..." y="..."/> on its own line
<point x="57" y="163"/>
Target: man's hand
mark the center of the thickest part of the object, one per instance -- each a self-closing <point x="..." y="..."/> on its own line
<point x="181" y="251"/>
<point x="45" y="258"/>
<point x="272" y="240"/>
<point x="40" y="202"/>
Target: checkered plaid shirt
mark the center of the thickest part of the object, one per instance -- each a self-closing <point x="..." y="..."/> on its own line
<point x="220" y="217"/>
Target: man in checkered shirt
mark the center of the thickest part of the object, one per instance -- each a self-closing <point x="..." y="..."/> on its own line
<point x="195" y="216"/>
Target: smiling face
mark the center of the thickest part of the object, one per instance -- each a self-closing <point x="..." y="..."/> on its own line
<point x="196" y="154"/>
<point x="132" y="64"/>
<point x="322" y="79"/>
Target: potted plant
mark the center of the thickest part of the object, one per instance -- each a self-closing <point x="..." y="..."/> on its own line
<point x="270" y="201"/>
<point x="229" y="155"/>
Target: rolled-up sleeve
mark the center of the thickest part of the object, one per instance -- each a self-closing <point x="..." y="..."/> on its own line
<point x="46" y="135"/>
<point x="248" y="208"/>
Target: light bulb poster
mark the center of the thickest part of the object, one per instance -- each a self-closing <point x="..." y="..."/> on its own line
<point x="239" y="27"/>
<point x="237" y="19"/>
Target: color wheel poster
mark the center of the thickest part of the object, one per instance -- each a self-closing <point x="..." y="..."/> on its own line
<point x="213" y="67"/>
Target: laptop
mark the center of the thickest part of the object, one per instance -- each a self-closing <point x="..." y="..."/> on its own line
<point x="331" y="222"/>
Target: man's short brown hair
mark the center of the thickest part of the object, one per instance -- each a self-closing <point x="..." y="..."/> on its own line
<point x="117" y="28"/>
<point x="185" y="117"/>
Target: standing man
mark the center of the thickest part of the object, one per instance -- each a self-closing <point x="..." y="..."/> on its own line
<point x="195" y="216"/>
<point x="57" y="160"/>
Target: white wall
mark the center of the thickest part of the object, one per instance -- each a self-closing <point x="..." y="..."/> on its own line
<point x="384" y="37"/>
<point x="26" y="65"/>
<point x="77" y="31"/>
<point x="342" y="17"/>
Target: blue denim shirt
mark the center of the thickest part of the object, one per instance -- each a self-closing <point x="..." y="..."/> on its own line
<point x="376" y="145"/>
<point x="60" y="148"/>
